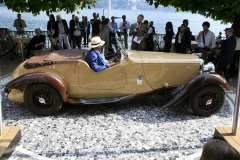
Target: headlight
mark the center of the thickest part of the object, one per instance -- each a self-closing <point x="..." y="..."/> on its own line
<point x="209" y="67"/>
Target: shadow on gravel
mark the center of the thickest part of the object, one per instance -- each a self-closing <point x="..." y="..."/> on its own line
<point x="144" y="110"/>
<point x="119" y="152"/>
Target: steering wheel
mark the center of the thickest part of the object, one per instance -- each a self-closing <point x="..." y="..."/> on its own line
<point x="116" y="60"/>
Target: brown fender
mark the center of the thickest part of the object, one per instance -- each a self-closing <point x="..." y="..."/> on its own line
<point x="197" y="83"/>
<point x="24" y="81"/>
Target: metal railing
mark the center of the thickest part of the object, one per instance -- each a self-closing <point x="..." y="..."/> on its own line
<point x="158" y="37"/>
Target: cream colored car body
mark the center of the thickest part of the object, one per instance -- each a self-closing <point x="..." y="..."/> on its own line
<point x="138" y="73"/>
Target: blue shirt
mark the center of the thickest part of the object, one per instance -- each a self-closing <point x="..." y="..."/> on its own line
<point x="95" y="60"/>
<point x="103" y="58"/>
<point x="114" y="26"/>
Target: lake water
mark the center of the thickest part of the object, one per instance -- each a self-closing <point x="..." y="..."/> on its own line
<point x="158" y="17"/>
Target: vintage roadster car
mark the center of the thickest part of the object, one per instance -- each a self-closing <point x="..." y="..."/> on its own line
<point x="46" y="81"/>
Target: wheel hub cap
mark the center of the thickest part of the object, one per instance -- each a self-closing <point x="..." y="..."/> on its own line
<point x="209" y="102"/>
<point x="42" y="100"/>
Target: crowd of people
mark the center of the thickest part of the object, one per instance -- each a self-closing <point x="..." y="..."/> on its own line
<point x="76" y="34"/>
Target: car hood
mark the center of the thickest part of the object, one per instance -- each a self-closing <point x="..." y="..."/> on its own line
<point x="161" y="57"/>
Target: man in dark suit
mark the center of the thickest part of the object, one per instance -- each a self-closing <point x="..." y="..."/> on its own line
<point x="182" y="41"/>
<point x="71" y="25"/>
<point x="76" y="33"/>
<point x="139" y="30"/>
<point x="61" y="31"/>
<point x="187" y="30"/>
<point x="227" y="51"/>
<point x="86" y="32"/>
<point x="95" y="25"/>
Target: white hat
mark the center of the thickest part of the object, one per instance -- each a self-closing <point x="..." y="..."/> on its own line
<point x="95" y="42"/>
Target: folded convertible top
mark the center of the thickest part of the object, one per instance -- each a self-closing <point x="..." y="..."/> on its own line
<point x="60" y="56"/>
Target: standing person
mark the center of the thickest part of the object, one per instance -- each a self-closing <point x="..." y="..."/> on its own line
<point x="113" y="25"/>
<point x="105" y="30"/>
<point x="20" y="24"/>
<point x="86" y="32"/>
<point x="145" y="22"/>
<point x="71" y="25"/>
<point x="168" y="37"/>
<point x="95" y="22"/>
<point x="220" y="35"/>
<point x="185" y="21"/>
<point x="61" y="31"/>
<point x="182" y="40"/>
<point x="227" y="52"/>
<point x="139" y="32"/>
<point x="51" y="26"/>
<point x="72" y="21"/>
<point x="5" y="40"/>
<point x="114" y="30"/>
<point x="235" y="63"/>
<point x="124" y="26"/>
<point x="36" y="43"/>
<point x="151" y="32"/>
<point x="83" y="17"/>
<point x="206" y="41"/>
<point x="76" y="32"/>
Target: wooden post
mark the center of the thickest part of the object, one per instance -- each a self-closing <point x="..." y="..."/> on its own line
<point x="1" y="128"/>
<point x="236" y="107"/>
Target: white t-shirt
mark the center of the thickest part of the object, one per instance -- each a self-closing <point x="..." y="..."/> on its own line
<point x="77" y="32"/>
<point x="61" y="28"/>
<point x="150" y="30"/>
<point x="209" y="40"/>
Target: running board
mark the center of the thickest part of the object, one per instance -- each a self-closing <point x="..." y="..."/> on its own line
<point x="100" y="100"/>
<point x="94" y="100"/>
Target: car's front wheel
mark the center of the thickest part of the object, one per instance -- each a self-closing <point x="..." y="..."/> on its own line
<point x="207" y="100"/>
<point x="42" y="99"/>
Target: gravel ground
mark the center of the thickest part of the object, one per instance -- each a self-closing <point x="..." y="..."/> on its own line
<point x="130" y="130"/>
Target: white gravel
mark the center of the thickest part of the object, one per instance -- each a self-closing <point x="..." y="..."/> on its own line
<point x="131" y="130"/>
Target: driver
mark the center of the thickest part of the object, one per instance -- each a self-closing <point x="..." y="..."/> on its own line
<point x="94" y="58"/>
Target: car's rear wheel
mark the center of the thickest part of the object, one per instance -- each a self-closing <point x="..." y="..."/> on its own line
<point x="207" y="100"/>
<point x="42" y="99"/>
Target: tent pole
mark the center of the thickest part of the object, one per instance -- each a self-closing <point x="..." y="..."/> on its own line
<point x="109" y="9"/>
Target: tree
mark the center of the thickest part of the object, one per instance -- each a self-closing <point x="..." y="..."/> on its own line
<point x="224" y="10"/>
<point x="50" y="6"/>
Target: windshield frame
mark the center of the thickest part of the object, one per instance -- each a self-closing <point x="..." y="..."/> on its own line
<point x="120" y="48"/>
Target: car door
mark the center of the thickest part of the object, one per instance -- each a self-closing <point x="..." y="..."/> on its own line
<point x="110" y="78"/>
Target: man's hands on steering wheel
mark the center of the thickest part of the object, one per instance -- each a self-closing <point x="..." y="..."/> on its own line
<point x="111" y="64"/>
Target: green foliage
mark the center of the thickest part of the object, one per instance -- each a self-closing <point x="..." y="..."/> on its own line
<point x="223" y="10"/>
<point x="50" y="6"/>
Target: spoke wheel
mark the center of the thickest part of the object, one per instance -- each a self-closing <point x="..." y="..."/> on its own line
<point x="207" y="100"/>
<point x="42" y="99"/>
